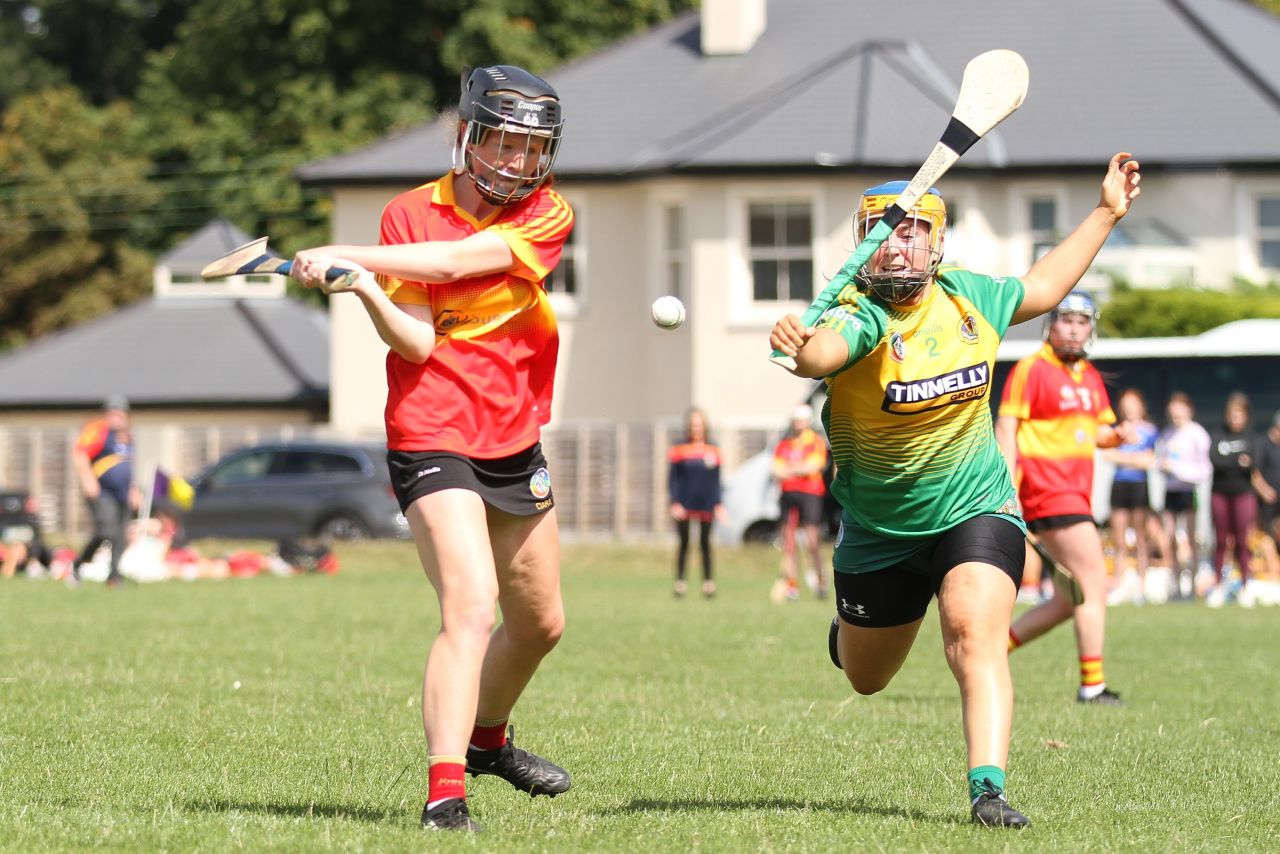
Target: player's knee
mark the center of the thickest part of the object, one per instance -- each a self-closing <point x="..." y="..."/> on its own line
<point x="867" y="684"/>
<point x="473" y="615"/>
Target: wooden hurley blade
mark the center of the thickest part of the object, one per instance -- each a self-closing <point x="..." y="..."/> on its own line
<point x="253" y="257"/>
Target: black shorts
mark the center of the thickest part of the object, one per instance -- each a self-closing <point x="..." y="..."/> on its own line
<point x="1179" y="501"/>
<point x="806" y="505"/>
<point x="519" y="484"/>
<point x="1129" y="495"/>
<point x="1049" y="523"/>
<point x="898" y="595"/>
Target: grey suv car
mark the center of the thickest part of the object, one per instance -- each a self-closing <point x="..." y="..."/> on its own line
<point x="277" y="490"/>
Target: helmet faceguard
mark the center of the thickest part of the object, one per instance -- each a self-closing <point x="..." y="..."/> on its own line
<point x="1080" y="303"/>
<point x="914" y="265"/>
<point x="511" y="135"/>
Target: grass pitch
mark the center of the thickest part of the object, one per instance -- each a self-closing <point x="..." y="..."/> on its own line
<point x="283" y="714"/>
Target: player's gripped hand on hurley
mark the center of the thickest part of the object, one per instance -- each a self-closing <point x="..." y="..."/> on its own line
<point x="789" y="335"/>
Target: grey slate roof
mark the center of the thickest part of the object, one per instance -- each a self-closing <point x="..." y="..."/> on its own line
<point x="857" y="84"/>
<point x="179" y="352"/>
<point x="215" y="239"/>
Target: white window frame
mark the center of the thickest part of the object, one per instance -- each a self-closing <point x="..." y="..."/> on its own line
<point x="1249" y="233"/>
<point x="1020" y="200"/>
<point x="660" y="201"/>
<point x="744" y="310"/>
<point x="569" y="306"/>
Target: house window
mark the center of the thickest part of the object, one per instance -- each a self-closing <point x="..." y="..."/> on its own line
<point x="564" y="278"/>
<point x="780" y="248"/>
<point x="1044" y="227"/>
<point x="1269" y="232"/>
<point x="674" y="248"/>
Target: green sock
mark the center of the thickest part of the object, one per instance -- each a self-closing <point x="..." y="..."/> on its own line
<point x="983" y="777"/>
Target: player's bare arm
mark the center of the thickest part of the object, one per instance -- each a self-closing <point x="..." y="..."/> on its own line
<point x="432" y="261"/>
<point x="1052" y="277"/>
<point x="818" y="352"/>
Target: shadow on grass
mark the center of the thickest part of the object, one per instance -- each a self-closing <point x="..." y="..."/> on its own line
<point x="640" y="805"/>
<point x="300" y="810"/>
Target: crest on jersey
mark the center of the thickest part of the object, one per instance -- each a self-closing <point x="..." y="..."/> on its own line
<point x="897" y="347"/>
<point x="969" y="329"/>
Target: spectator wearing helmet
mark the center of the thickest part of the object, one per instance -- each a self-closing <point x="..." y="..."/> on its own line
<point x="1054" y="414"/>
<point x="928" y="505"/>
<point x="459" y="299"/>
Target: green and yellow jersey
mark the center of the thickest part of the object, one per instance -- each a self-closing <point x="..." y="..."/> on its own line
<point x="908" y="416"/>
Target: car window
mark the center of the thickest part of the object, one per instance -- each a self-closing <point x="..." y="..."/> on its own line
<point x="250" y="466"/>
<point x="320" y="462"/>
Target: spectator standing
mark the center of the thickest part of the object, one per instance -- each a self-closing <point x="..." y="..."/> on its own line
<point x="1130" y="494"/>
<point x="103" y="462"/>
<point x="1266" y="482"/>
<point x="1182" y="454"/>
<point x="1233" y="502"/>
<point x="799" y="460"/>
<point x="693" y="482"/>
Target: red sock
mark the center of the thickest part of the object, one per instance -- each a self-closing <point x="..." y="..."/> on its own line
<point x="447" y="778"/>
<point x="489" y="736"/>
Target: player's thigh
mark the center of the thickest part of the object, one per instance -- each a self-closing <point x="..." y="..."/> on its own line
<point x="450" y="529"/>
<point x="526" y="552"/>
<point x="1078" y="547"/>
<point x="975" y="605"/>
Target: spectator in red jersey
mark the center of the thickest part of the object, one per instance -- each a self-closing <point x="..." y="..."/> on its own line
<point x="460" y="302"/>
<point x="798" y="462"/>
<point x="693" y="481"/>
<point x="103" y="462"/>
<point x="1053" y="415"/>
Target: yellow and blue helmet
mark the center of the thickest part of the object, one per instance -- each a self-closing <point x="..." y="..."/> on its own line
<point x="901" y="285"/>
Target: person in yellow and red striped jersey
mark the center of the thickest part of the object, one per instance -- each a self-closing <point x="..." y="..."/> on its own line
<point x="459" y="300"/>
<point x="1053" y="415"/>
<point x="693" y="482"/>
<point x="798" y="462"/>
<point x="103" y="462"/>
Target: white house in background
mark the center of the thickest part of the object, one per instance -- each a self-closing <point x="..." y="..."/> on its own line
<point x="718" y="157"/>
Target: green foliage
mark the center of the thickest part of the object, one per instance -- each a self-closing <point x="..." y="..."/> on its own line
<point x="1145" y="313"/>
<point x="66" y="234"/>
<point x="284" y="714"/>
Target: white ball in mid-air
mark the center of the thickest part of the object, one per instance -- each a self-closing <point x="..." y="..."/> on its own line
<point x="667" y="312"/>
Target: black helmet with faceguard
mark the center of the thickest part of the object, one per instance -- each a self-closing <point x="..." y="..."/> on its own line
<point x="523" y="110"/>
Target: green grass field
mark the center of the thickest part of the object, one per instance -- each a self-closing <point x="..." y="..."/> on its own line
<point x="709" y="725"/>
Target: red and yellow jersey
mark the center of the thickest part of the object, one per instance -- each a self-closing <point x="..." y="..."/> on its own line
<point x="1059" y="408"/>
<point x="486" y="389"/>
<point x="808" y="449"/>
<point x="110" y="455"/>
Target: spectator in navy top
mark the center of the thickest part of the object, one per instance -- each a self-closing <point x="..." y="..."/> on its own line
<point x="1130" y="498"/>
<point x="694" y="484"/>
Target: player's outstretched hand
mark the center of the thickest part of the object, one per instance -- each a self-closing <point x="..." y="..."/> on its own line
<point x="1120" y="187"/>
<point x="789" y="335"/>
<point x="311" y="268"/>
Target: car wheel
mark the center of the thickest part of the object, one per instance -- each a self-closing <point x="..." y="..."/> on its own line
<point x="342" y="527"/>
<point x="762" y="532"/>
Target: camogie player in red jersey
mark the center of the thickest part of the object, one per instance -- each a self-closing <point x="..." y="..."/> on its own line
<point x="1053" y="415"/>
<point x="458" y="298"/>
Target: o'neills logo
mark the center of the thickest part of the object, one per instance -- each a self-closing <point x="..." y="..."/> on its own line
<point x="958" y="386"/>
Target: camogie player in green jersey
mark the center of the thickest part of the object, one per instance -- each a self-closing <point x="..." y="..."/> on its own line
<point x="928" y="504"/>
